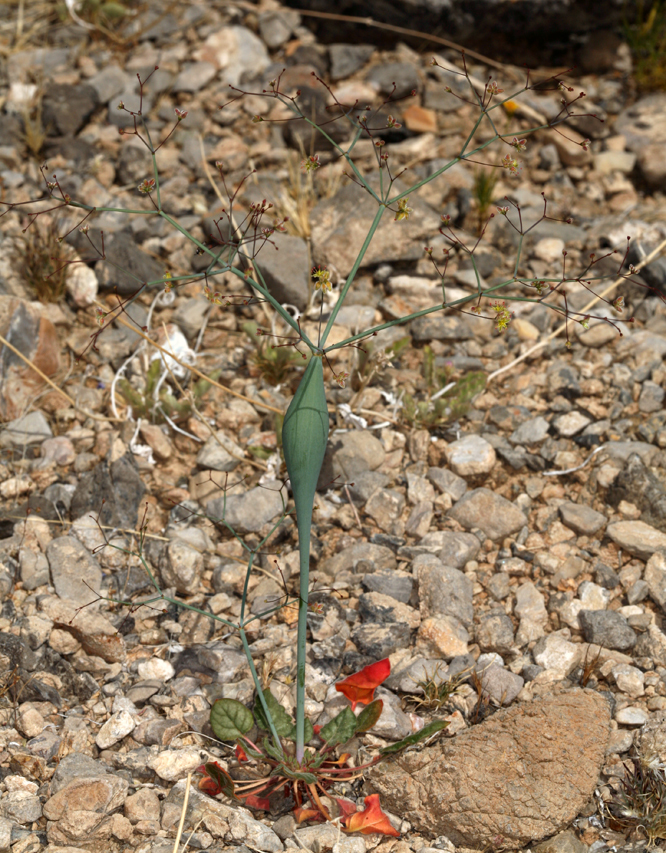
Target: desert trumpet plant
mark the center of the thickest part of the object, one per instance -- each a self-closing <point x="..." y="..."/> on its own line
<point x="304" y="437"/>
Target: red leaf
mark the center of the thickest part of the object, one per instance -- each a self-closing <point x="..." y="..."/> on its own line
<point x="360" y="687"/>
<point x="216" y="780"/>
<point x="302" y="814"/>
<point x="257" y="802"/>
<point x="241" y="755"/>
<point x="347" y="808"/>
<point x="316" y="729"/>
<point x="371" y="819"/>
<point x="209" y="786"/>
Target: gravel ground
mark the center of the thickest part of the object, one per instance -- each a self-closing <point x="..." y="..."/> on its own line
<point x="514" y="541"/>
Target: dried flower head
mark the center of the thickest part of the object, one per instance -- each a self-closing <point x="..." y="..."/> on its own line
<point x="180" y="114"/>
<point x="391" y="122"/>
<point x="519" y="144"/>
<point x="493" y="88"/>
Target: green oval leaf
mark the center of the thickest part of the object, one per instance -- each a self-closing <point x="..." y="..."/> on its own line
<point x="340" y="729"/>
<point x="410" y="740"/>
<point x="369" y="716"/>
<point x="281" y="719"/>
<point x="230" y="719"/>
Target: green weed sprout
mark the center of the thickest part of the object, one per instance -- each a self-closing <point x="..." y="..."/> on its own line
<point x="236" y="250"/>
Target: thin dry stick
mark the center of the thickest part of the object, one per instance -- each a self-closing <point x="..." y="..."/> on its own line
<point x="592" y="302"/>
<point x="50" y="382"/>
<point x="191" y="367"/>
<point x="370" y="22"/>
<point x="186" y="797"/>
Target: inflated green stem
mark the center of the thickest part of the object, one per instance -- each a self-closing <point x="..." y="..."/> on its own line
<point x="304" y="436"/>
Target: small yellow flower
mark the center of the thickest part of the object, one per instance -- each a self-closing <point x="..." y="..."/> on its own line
<point x="403" y="210"/>
<point x="322" y="278"/>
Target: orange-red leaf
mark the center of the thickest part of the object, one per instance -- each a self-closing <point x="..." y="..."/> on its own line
<point x="241" y="755"/>
<point x="371" y="819"/>
<point x="256" y="802"/>
<point x="209" y="786"/>
<point x="360" y="687"/>
<point x="302" y="814"/>
<point x="347" y="808"/>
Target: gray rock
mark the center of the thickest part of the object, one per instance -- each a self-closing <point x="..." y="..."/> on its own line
<point x="443" y="590"/>
<point x="447" y="482"/>
<point x="74" y="766"/>
<point x="285" y="267"/>
<point x="378" y="641"/>
<point x="110" y="82"/>
<point x="385" y="507"/>
<point x="636" y="537"/>
<point x="643" y="129"/>
<point x="636" y="484"/>
<point x="118" y="726"/>
<point x="402" y="74"/>
<point x="457" y="549"/>
<point x="484" y="509"/>
<point x="533" y="431"/>
<point x="194" y="76"/>
<point x="248" y="513"/>
<point x="378" y="607"/>
<point x="191" y="314"/>
<point x="470" y="456"/>
<point x="563" y="379"/>
<point x="77" y="576"/>
<point x="128" y="265"/>
<point x="337" y="235"/>
<point x="220" y="453"/>
<point x="607" y="628"/>
<point x="528" y="772"/>
<point x="563" y="842"/>
<point x="500" y="684"/>
<point x="581" y="519"/>
<point x="114" y="491"/>
<point x="530" y="603"/>
<point x="366" y="483"/>
<point x="499" y="586"/>
<point x="21" y="807"/>
<point x="396" y="584"/>
<point x="655" y="578"/>
<point x="495" y="634"/>
<point x="435" y="327"/>
<point x="418" y="489"/>
<point x="556" y="655"/>
<point x="181" y="567"/>
<point x="66" y="108"/>
<point x="32" y="428"/>
<point x="365" y="553"/>
<point x="276" y="27"/>
<point x="347" y="59"/>
<point x="651" y="398"/>
<point x="356" y="451"/>
<point x="605" y="576"/>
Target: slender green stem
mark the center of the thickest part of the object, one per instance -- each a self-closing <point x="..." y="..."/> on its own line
<point x="352" y="274"/>
<point x="260" y="692"/>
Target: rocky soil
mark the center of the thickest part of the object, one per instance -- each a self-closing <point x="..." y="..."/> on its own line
<point x="517" y="545"/>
